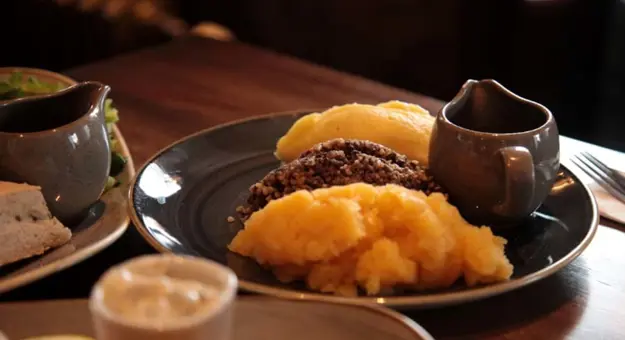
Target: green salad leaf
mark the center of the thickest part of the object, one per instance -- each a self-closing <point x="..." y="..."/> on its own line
<point x="118" y="161"/>
<point x="15" y="79"/>
<point x="16" y="86"/>
<point x="110" y="113"/>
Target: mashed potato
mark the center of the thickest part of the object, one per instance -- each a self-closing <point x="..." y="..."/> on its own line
<point x="403" y="127"/>
<point x="343" y="238"/>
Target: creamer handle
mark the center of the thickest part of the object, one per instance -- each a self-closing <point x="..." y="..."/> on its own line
<point x="519" y="180"/>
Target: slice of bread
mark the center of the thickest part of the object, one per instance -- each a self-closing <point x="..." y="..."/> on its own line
<point x="27" y="228"/>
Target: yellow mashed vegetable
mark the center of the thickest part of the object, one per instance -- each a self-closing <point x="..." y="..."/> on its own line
<point x="375" y="238"/>
<point x="403" y="127"/>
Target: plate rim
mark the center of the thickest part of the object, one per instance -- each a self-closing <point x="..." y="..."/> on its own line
<point x="399" y="302"/>
<point x="401" y="319"/>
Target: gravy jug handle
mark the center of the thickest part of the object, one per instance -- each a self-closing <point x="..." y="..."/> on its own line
<point x="518" y="166"/>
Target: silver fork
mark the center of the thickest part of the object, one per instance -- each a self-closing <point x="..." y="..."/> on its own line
<point x="609" y="179"/>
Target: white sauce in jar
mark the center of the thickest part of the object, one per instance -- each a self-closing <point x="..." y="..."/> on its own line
<point x="159" y="292"/>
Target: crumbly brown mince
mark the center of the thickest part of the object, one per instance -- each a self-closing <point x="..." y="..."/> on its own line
<point x="339" y="162"/>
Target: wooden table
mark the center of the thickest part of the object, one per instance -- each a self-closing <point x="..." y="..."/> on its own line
<point x="167" y="92"/>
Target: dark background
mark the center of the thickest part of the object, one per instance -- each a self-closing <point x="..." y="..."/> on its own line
<point x="566" y="54"/>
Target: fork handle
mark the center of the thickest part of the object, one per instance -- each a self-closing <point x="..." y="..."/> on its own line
<point x="519" y="181"/>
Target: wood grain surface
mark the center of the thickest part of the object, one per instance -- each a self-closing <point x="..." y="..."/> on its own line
<point x="167" y="92"/>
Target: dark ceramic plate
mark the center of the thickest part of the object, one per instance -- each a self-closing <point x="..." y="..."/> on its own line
<point x="181" y="200"/>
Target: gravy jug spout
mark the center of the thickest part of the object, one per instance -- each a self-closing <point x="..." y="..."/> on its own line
<point x="54" y="110"/>
<point x="90" y="94"/>
<point x="464" y="93"/>
<point x="487" y="106"/>
<point x="96" y="93"/>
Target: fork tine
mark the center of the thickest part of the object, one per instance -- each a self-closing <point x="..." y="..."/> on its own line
<point x="592" y="173"/>
<point x="615" y="175"/>
<point x="596" y="161"/>
<point x="605" y="177"/>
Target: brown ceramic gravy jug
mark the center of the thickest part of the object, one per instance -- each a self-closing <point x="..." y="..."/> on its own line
<point x="58" y="141"/>
<point x="496" y="154"/>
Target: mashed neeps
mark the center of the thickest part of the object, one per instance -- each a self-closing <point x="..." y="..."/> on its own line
<point x="343" y="238"/>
